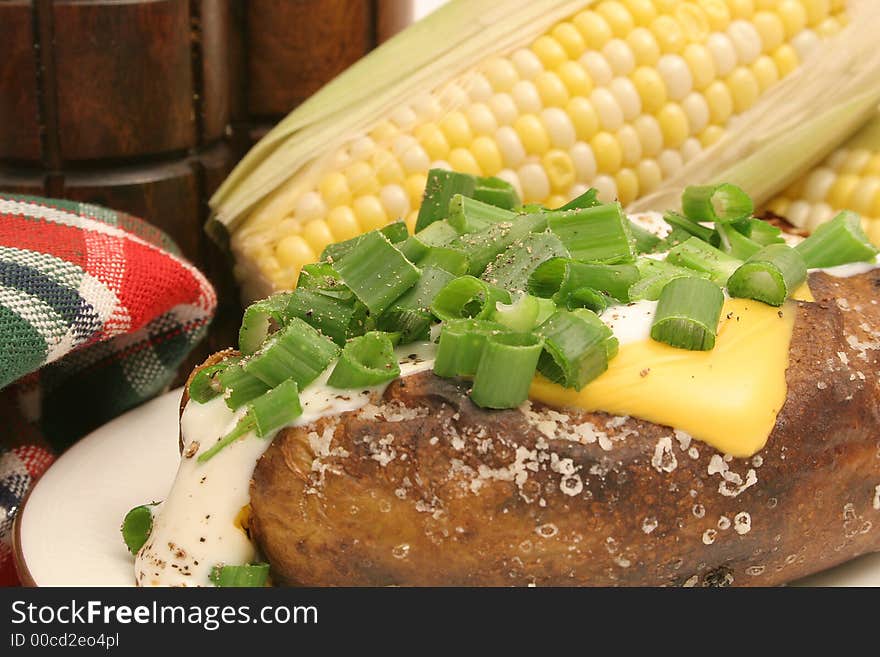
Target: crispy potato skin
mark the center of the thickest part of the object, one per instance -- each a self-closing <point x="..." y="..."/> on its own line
<point x="424" y="488"/>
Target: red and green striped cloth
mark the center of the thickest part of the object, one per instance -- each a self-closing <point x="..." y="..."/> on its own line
<point x="97" y="311"/>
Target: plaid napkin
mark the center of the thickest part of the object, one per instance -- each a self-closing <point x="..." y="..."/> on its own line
<point x="97" y="311"/>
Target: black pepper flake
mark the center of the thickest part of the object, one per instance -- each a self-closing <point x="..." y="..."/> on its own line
<point x="202" y="539"/>
<point x="645" y="372"/>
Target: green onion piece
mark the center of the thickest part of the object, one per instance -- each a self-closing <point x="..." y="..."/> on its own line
<point x="655" y="274"/>
<point x="718" y="203"/>
<point x="277" y="408"/>
<point x="506" y="369"/>
<point x="322" y="276"/>
<point x="410" y="315"/>
<point x="676" y="236"/>
<point x="483" y="247"/>
<point x="675" y="220"/>
<point x="467" y="297"/>
<point x="575" y="352"/>
<point x="734" y="243"/>
<point x="611" y="344"/>
<point x="762" y="232"/>
<point x="257" y="319"/>
<point x="244" y="426"/>
<point x="240" y="387"/>
<point x="297" y="351"/>
<point x="250" y="575"/>
<point x="461" y="346"/>
<point x="136" y="527"/>
<point x="701" y="257"/>
<point x="451" y="260"/>
<point x="205" y="385"/>
<point x="585" y="297"/>
<point x="687" y="314"/>
<point x="338" y="319"/>
<point x="561" y="277"/>
<point x="646" y="241"/>
<point x="468" y="215"/>
<point x="589" y="199"/>
<point x="770" y="276"/>
<point x="597" y="234"/>
<point x="497" y="192"/>
<point x="512" y="268"/>
<point x="396" y="232"/>
<point x="841" y="241"/>
<point x="524" y="314"/>
<point x="365" y="361"/>
<point x="376" y="272"/>
<point x="440" y="187"/>
<point x="440" y="233"/>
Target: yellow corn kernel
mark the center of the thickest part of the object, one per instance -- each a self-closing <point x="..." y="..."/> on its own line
<point x="793" y="17"/>
<point x="486" y="155"/>
<point x="457" y="129"/>
<point x="532" y="134"/>
<point x="829" y="27"/>
<point x="771" y="30"/>
<point x="741" y="8"/>
<point x="743" y="87"/>
<point x="593" y="28"/>
<point x="873" y="166"/>
<point x="433" y="140"/>
<point x="700" y="63"/>
<point x="500" y="73"/>
<point x="293" y="252"/>
<point x="693" y="22"/>
<point x="609" y="156"/>
<point x="387" y="168"/>
<point x="642" y="11"/>
<point x="549" y="51"/>
<point x="411" y="220"/>
<point x="717" y="14"/>
<point x="651" y="88"/>
<point x="856" y="161"/>
<point x="862" y="196"/>
<point x="720" y="102"/>
<point x="369" y="212"/>
<point x="317" y="233"/>
<point x="343" y="224"/>
<point x="334" y="189"/>
<point x="674" y="124"/>
<point x="627" y="186"/>
<point x="415" y="188"/>
<point x="559" y="168"/>
<point x="817" y="10"/>
<point x="644" y="46"/>
<point x="841" y="190"/>
<point x="765" y="72"/>
<point x="461" y="159"/>
<point x="551" y="89"/>
<point x="872" y="230"/>
<point x="668" y="33"/>
<point x="568" y="36"/>
<point x="576" y="79"/>
<point x="361" y="178"/>
<point x="384" y="131"/>
<point x="584" y="118"/>
<point x="786" y="59"/>
<point x="779" y="206"/>
<point x="650" y="176"/>
<point x="618" y="18"/>
<point x="556" y="201"/>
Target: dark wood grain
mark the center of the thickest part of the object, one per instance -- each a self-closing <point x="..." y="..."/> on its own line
<point x="19" y="121"/>
<point x="214" y="62"/>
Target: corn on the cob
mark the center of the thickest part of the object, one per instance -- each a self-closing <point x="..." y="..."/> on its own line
<point x="617" y="95"/>
<point x="849" y="179"/>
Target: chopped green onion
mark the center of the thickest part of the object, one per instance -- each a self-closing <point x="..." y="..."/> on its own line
<point x="136" y="527"/>
<point x="655" y="274"/>
<point x="461" y="346"/>
<point x="512" y="268"/>
<point x="257" y="320"/>
<point x="337" y="319"/>
<point x="597" y="234"/>
<point x="574" y="349"/>
<point x="297" y="351"/>
<point x="365" y="361"/>
<point x="440" y="187"/>
<point x="272" y="410"/>
<point x="841" y="241"/>
<point x="468" y="215"/>
<point x="451" y="260"/>
<point x="687" y="314"/>
<point x="561" y="277"/>
<point x="675" y="220"/>
<point x="396" y="232"/>
<point x="250" y="575"/>
<point x="585" y="297"/>
<point x="717" y="203"/>
<point x="321" y="276"/>
<point x="589" y="199"/>
<point x="770" y="276"/>
<point x="410" y="314"/>
<point x="506" y="369"/>
<point x="240" y="387"/>
<point x="524" y="314"/>
<point x="762" y="232"/>
<point x="204" y="385"/>
<point x="734" y="243"/>
<point x="701" y="257"/>
<point x="497" y="192"/>
<point x="674" y="238"/>
<point x="377" y="272"/>
<point x="483" y="247"/>
<point x="468" y="297"/>
<point x="440" y="233"/>
<point x="646" y="241"/>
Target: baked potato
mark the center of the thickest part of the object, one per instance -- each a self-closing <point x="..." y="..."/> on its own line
<point x="424" y="488"/>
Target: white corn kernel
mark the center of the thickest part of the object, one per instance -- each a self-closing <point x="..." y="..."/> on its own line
<point x="818" y="184"/>
<point x="362" y="148"/>
<point x="534" y="181"/>
<point x="746" y="41"/>
<point x="509" y="175"/>
<point x="526" y="97"/>
<point x="630" y="145"/>
<point x="670" y="162"/>
<point x="723" y="53"/>
<point x="610" y="114"/>
<point x="310" y="206"/>
<point x="482" y="119"/>
<point x="806" y="43"/>
<point x="404" y="117"/>
<point x="597" y="66"/>
<point x="650" y="134"/>
<point x="527" y="63"/>
<point x="676" y="75"/>
<point x="690" y="149"/>
<point x="395" y="200"/>
<point x="504" y="108"/>
<point x="697" y="111"/>
<point x="798" y="213"/>
<point x="627" y="97"/>
<point x="559" y="127"/>
<point x="818" y="215"/>
<point x="478" y="88"/>
<point x="619" y="57"/>
<point x="510" y="145"/>
<point x="607" y="188"/>
<point x="584" y="159"/>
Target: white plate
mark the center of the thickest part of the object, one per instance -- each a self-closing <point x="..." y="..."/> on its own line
<point x="68" y="531"/>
